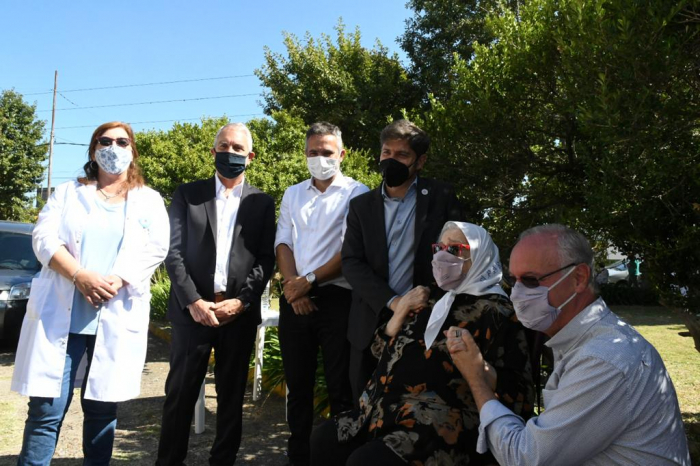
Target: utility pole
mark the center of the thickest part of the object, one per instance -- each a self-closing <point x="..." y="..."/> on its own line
<point x="53" y="121"/>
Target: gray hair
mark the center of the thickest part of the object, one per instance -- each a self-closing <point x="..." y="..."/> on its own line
<point x="572" y="246"/>
<point x="240" y="126"/>
<point x="323" y="128"/>
<point x="449" y="226"/>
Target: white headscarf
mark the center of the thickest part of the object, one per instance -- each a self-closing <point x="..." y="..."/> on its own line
<point x="484" y="276"/>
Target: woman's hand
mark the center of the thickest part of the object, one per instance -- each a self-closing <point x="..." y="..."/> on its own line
<point x="414" y="300"/>
<point x="95" y="287"/>
<point x="403" y="306"/>
<point x="116" y="282"/>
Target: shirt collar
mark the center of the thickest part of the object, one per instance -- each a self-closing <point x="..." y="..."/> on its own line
<point x="221" y="189"/>
<point x="411" y="188"/>
<point x="566" y="338"/>
<point x="338" y="182"/>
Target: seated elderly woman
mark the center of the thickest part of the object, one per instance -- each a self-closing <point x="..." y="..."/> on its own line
<point x="417" y="407"/>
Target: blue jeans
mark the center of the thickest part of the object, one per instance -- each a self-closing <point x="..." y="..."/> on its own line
<point x="46" y="415"/>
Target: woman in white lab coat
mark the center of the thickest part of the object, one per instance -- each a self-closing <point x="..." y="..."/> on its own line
<point x="99" y="238"/>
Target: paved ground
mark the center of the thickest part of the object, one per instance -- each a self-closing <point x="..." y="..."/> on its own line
<point x="264" y="427"/>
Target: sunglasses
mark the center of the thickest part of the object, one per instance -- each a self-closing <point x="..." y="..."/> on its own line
<point x="121" y="142"/>
<point x="455" y="248"/>
<point x="529" y="281"/>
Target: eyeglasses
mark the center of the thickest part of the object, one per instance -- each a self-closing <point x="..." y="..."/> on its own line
<point x="530" y="281"/>
<point x="121" y="142"/>
<point x="455" y="248"/>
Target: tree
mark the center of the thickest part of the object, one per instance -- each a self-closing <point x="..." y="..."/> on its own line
<point x="21" y="154"/>
<point x="584" y="113"/>
<point x="441" y="30"/>
<point x="357" y="89"/>
<point x="180" y="155"/>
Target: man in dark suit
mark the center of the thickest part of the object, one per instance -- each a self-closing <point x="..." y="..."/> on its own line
<point x="221" y="257"/>
<point x="387" y="246"/>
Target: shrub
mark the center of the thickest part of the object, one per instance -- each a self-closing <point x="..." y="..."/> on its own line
<point x="623" y="293"/>
<point x="160" y="290"/>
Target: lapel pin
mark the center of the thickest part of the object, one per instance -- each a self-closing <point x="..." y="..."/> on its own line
<point x="424" y="192"/>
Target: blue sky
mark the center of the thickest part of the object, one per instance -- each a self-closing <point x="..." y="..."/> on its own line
<point x="99" y="44"/>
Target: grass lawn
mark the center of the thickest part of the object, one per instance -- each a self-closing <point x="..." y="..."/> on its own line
<point x="661" y="327"/>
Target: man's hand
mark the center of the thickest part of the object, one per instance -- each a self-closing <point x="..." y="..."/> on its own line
<point x="468" y="359"/>
<point x="227" y="310"/>
<point x="201" y="312"/>
<point x="403" y="306"/>
<point x="95" y="287"/>
<point x="116" y="282"/>
<point x="304" y="306"/>
<point x="465" y="354"/>
<point x="295" y="287"/>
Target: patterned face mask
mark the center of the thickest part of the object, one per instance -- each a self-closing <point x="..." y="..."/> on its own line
<point x="114" y="159"/>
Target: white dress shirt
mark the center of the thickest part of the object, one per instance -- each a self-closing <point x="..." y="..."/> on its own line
<point x="609" y="401"/>
<point x="312" y="223"/>
<point x="226" y="212"/>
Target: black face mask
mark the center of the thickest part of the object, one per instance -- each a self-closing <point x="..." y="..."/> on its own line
<point x="394" y="172"/>
<point x="230" y="165"/>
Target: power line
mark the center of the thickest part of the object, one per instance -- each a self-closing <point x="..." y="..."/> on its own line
<point x="69" y="101"/>
<point x="146" y="84"/>
<point x="62" y="144"/>
<point x="76" y="105"/>
<point x="153" y="102"/>
<point x="162" y="121"/>
<point x="64" y="139"/>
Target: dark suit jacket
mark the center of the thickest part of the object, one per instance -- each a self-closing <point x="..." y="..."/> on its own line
<point x="365" y="251"/>
<point x="191" y="260"/>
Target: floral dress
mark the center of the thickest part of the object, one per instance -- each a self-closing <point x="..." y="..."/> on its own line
<point x="417" y="401"/>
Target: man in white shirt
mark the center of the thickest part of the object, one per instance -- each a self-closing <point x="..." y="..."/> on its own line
<point x="221" y="257"/>
<point x="316" y="302"/>
<point x="609" y="400"/>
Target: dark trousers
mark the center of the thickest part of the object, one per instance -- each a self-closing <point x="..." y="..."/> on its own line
<point x="326" y="450"/>
<point x="189" y="355"/>
<point x="362" y="366"/>
<point x="300" y="338"/>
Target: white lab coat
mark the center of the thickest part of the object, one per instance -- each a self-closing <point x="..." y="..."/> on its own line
<point x="122" y="330"/>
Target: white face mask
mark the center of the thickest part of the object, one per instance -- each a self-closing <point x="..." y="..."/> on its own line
<point x="532" y="304"/>
<point x="114" y="159"/>
<point x="322" y="168"/>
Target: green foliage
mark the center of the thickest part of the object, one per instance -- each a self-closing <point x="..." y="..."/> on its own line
<point x="180" y="155"/>
<point x="582" y="113"/>
<point x="339" y="81"/>
<point x="160" y="291"/>
<point x="624" y="294"/>
<point x="21" y="156"/>
<point x="441" y="31"/>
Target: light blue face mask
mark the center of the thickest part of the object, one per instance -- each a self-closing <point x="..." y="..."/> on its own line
<point x="532" y="304"/>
